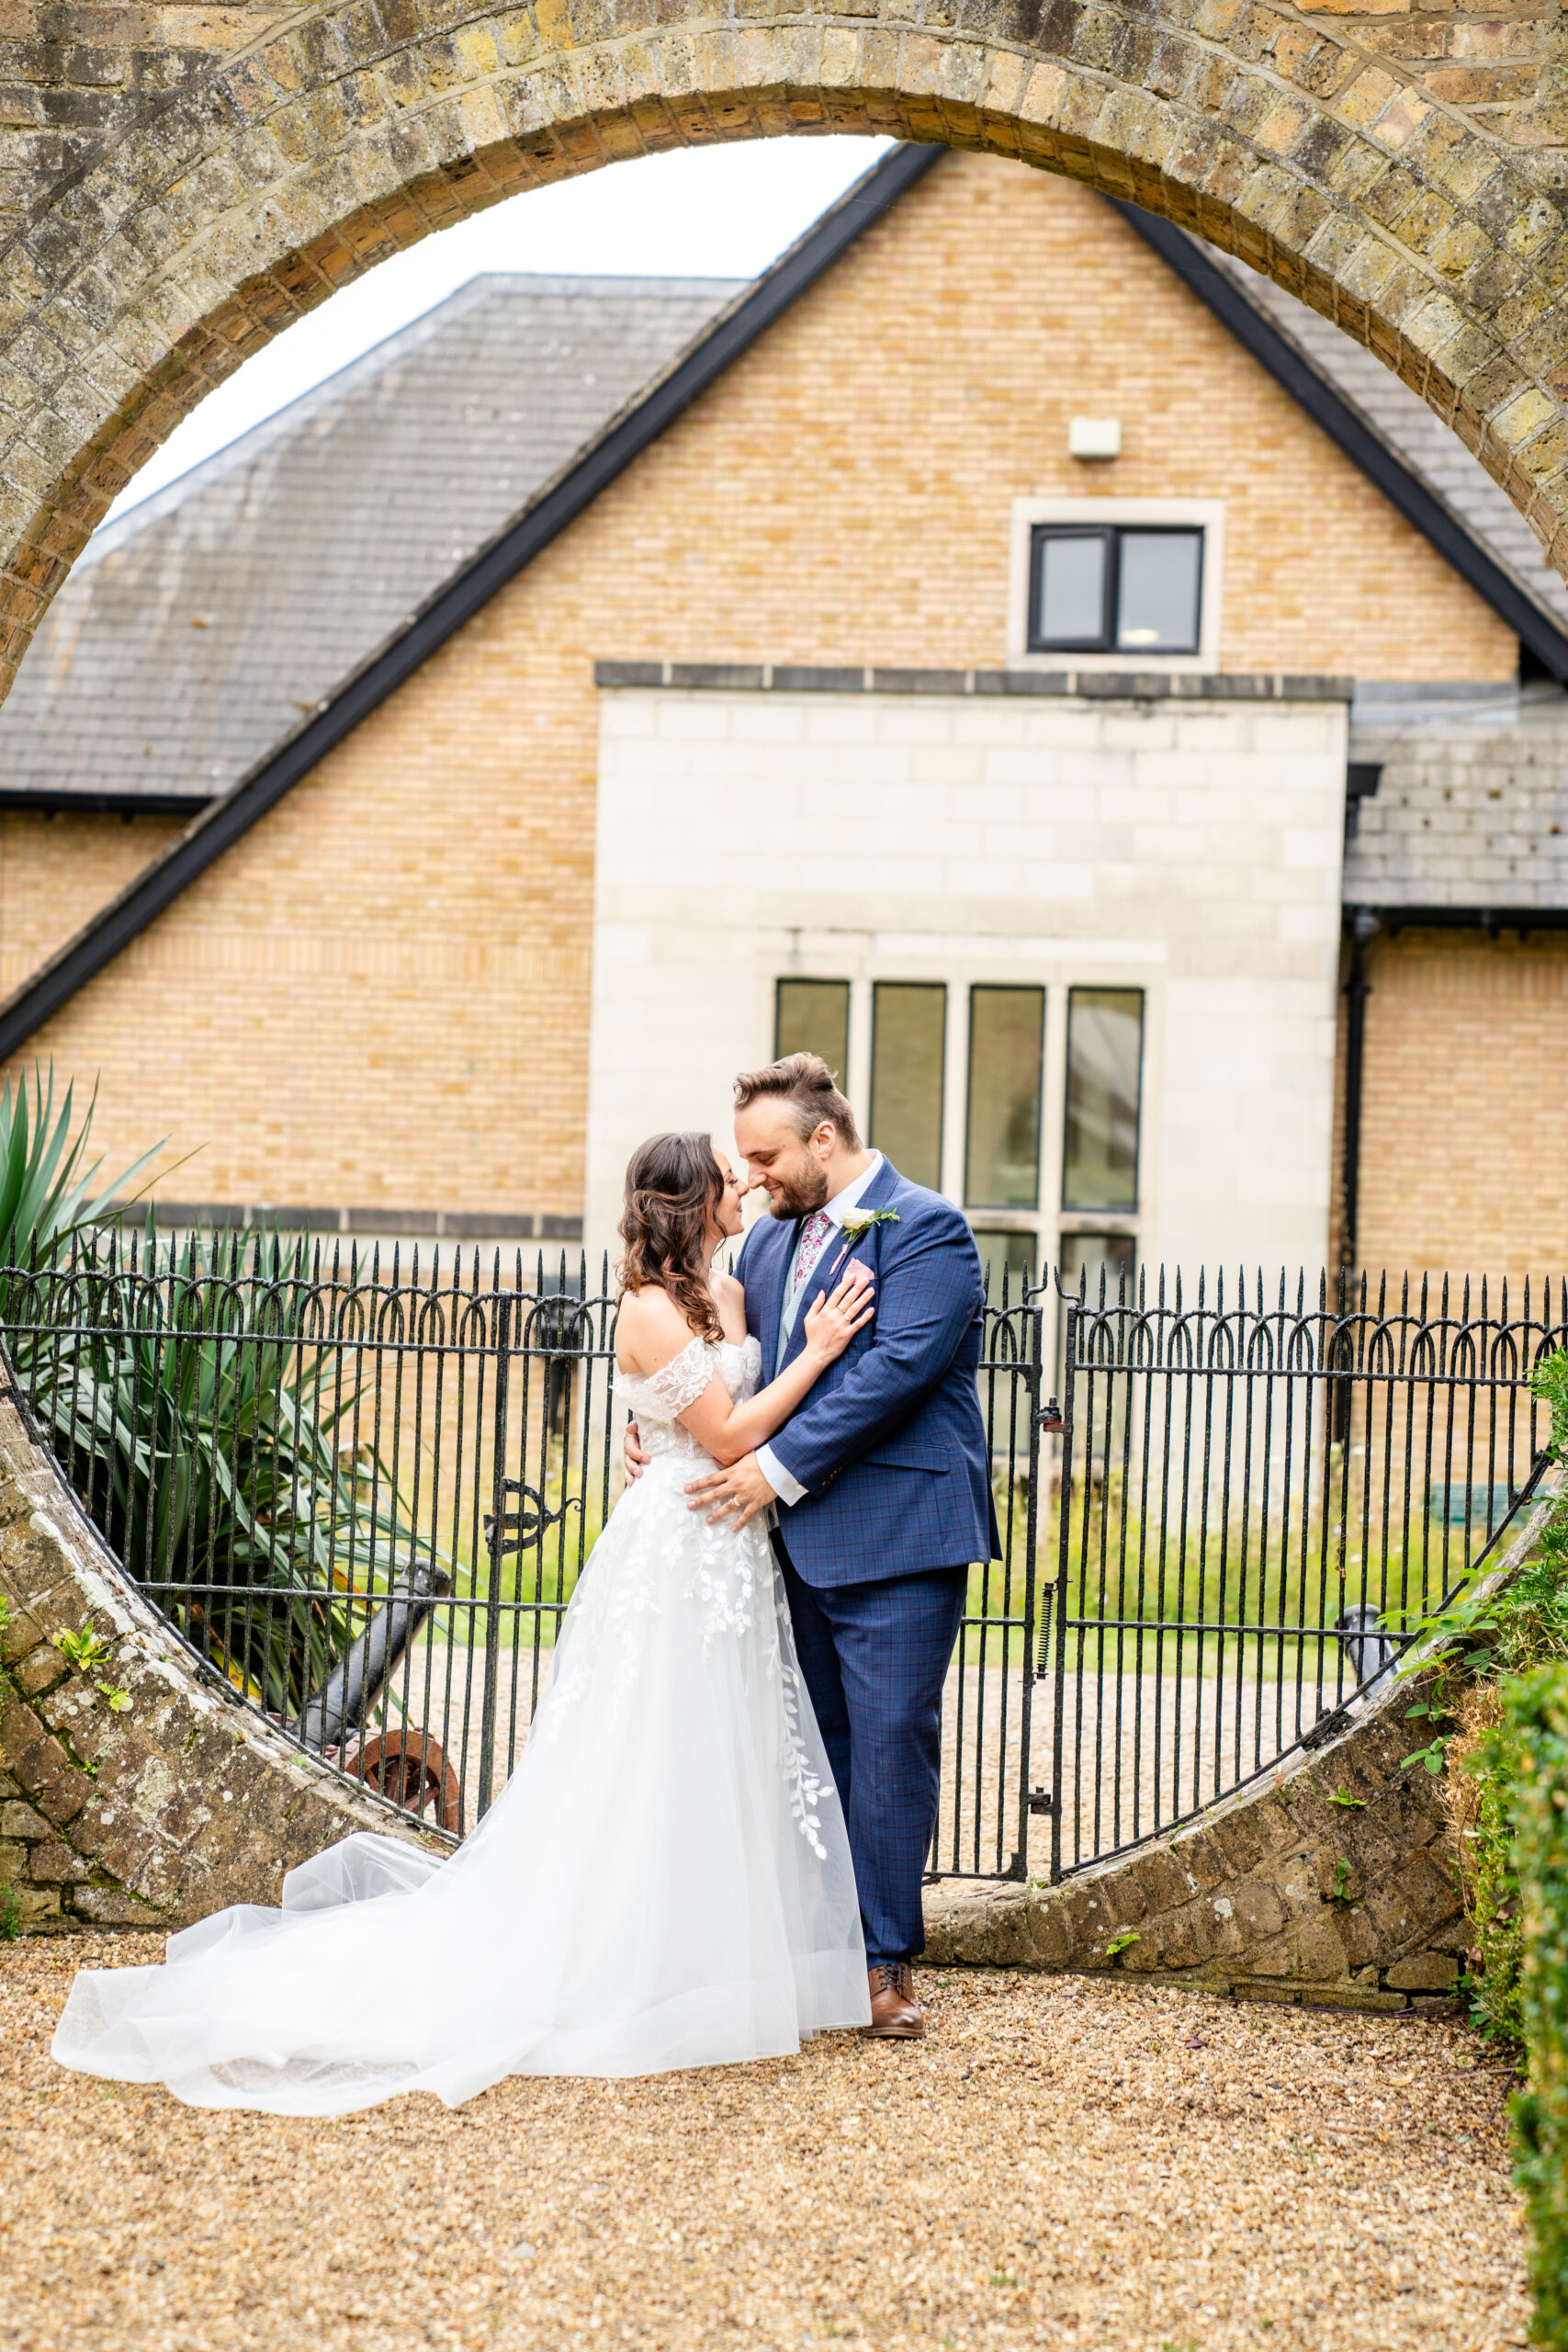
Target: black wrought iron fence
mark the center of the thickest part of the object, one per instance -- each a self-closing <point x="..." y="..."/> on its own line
<point x="983" y="1817"/>
<point x="1261" y="1494"/>
<point x="364" y="1492"/>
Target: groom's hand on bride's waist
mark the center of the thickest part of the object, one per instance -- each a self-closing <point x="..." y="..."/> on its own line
<point x="741" y="1490"/>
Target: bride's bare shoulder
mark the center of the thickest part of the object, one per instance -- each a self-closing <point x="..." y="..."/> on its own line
<point x="730" y="1301"/>
<point x="650" y="1330"/>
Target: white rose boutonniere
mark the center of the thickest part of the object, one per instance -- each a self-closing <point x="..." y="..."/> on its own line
<point x="857" y="1223"/>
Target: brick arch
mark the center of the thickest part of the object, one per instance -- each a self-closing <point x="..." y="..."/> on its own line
<point x="173" y="206"/>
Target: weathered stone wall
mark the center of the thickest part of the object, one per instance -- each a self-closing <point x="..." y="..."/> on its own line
<point x="155" y="1815"/>
<point x="183" y="183"/>
<point x="1332" y="1880"/>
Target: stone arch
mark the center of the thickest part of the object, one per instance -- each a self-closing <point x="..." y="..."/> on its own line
<point x="157" y="1812"/>
<point x="171" y="205"/>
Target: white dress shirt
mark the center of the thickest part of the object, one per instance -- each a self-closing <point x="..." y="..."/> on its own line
<point x="787" y="1488"/>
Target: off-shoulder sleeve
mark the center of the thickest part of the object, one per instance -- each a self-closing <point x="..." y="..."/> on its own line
<point x="667" y="1392"/>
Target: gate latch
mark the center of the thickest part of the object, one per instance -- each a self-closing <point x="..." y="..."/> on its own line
<point x="1049" y="1417"/>
<point x="1041" y="1800"/>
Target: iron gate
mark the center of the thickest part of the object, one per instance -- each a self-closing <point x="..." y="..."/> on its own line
<point x="1260" y="1496"/>
<point x="364" y="1494"/>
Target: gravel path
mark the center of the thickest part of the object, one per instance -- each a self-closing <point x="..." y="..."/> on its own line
<point x="1060" y="2164"/>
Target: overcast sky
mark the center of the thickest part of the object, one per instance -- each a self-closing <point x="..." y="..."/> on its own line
<point x="715" y="212"/>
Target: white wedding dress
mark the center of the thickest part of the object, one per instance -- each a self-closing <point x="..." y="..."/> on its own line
<point x="664" y="1882"/>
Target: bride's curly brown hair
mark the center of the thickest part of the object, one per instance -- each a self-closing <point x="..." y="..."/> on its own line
<point x="674" y="1185"/>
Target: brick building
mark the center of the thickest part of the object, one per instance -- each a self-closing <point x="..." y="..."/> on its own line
<point x="1007" y="648"/>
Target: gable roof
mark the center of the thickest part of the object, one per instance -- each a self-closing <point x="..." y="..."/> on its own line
<point x="1454" y="514"/>
<point x="1419" y="437"/>
<point x="196" y="629"/>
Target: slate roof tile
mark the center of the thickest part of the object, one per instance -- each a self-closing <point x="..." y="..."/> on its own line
<point x="1468" y="813"/>
<point x="197" y="628"/>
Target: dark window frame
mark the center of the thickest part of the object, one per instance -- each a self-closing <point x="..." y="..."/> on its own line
<point x="1098" y="1211"/>
<point x="1005" y="1208"/>
<point x="1029" y="1233"/>
<point x="939" y="988"/>
<point x="813" y="981"/>
<point x="1112" y="534"/>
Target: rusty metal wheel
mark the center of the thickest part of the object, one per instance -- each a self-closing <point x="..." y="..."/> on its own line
<point x="409" y="1768"/>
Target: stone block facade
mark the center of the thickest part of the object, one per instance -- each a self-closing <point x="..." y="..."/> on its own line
<point x="1186" y="848"/>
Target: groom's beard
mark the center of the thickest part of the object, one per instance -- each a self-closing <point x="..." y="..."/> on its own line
<point x="799" y="1194"/>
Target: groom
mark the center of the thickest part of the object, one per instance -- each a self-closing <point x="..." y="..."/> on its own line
<point x="882" y="1478"/>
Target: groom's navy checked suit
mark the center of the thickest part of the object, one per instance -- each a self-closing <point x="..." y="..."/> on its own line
<point x="890" y="1447"/>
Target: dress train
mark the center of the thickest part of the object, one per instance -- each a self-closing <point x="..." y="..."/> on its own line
<point x="665" y="1881"/>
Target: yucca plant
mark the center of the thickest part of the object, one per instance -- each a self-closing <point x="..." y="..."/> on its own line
<point x="46" y="1179"/>
<point x="204" y="1430"/>
<point x="195" y="1420"/>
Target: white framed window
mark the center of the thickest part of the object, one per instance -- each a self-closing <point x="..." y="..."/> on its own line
<point x="1116" y="583"/>
<point x="1018" y="1088"/>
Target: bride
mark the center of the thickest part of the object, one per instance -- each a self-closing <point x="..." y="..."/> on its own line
<point x="664" y="1882"/>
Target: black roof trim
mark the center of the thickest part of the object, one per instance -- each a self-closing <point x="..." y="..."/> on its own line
<point x="468" y="590"/>
<point x="1493" y="918"/>
<point x="1344" y="424"/>
<point x="108" y="804"/>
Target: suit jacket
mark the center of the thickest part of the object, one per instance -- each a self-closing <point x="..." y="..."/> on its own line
<point x="890" y="1444"/>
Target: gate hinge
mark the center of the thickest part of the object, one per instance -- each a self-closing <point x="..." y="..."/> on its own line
<point x="1327" y="1727"/>
<point x="1042" y="1801"/>
<point x="518" y="1528"/>
<point x="1049" y="1417"/>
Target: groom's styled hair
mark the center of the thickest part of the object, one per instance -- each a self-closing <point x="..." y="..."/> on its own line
<point x="804" y="1084"/>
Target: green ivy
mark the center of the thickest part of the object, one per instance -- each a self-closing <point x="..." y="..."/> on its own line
<point x="1481" y="1645"/>
<point x="1537" y="1727"/>
<point x="1511" y="1650"/>
<point x="1492" y="1888"/>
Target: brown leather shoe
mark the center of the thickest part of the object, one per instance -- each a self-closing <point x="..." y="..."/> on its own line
<point x="896" y="2015"/>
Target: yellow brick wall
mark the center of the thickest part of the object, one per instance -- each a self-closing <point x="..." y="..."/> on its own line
<point x="56" y="872"/>
<point x="1464" y="1112"/>
<point x="382" y="994"/>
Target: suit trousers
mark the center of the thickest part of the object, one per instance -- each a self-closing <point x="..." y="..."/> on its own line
<point x="875" y="1657"/>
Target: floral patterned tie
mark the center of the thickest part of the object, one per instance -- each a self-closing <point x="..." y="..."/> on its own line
<point x="813" y="1241"/>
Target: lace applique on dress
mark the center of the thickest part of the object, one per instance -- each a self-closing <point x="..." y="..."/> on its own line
<point x="657" y="1553"/>
<point x="664" y="1395"/>
<point x="658" y="1401"/>
<point x="675" y="1798"/>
